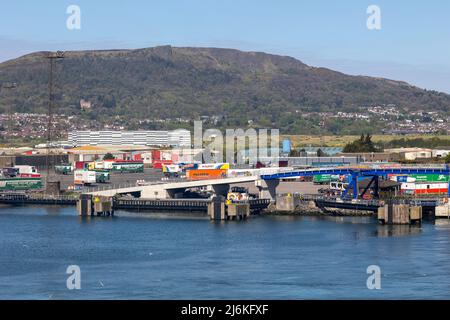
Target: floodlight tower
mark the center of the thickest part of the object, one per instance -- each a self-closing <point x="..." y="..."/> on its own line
<point x="52" y="57"/>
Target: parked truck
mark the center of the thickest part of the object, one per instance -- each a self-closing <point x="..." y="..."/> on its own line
<point x="65" y="168"/>
<point x="102" y="176"/>
<point x="171" y="170"/>
<point x="28" y="172"/>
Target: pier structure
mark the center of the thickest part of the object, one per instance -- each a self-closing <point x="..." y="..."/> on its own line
<point x="397" y="214"/>
<point x="94" y="205"/>
<point x="373" y="173"/>
<point x="219" y="209"/>
<point x="267" y="184"/>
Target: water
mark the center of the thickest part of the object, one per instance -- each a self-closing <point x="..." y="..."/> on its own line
<point x="130" y="257"/>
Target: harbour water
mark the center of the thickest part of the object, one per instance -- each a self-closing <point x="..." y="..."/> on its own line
<point x="166" y="257"/>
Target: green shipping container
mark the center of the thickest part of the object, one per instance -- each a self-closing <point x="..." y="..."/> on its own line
<point x="430" y="177"/>
<point x="325" y="178"/>
<point x="20" y="184"/>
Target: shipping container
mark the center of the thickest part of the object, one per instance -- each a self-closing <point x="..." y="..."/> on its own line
<point x="155" y="155"/>
<point x="206" y="174"/>
<point x="424" y="188"/>
<point x="128" y="167"/>
<point x="214" y="166"/>
<point x="81" y="165"/>
<point x="20" y="184"/>
<point x="325" y="178"/>
<point x="421" y="178"/>
<point x="91" y="166"/>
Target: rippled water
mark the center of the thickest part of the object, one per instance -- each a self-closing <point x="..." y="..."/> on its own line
<point x="163" y="257"/>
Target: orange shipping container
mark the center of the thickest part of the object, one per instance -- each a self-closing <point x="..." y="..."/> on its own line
<point x="206" y="174"/>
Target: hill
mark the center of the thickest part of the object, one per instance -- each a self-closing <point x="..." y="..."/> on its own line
<point x="229" y="85"/>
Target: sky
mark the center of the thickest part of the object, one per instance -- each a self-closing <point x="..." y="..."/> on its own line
<point x="412" y="45"/>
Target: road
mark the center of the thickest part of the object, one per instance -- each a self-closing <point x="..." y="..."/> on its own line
<point x="153" y="175"/>
<point x="117" y="179"/>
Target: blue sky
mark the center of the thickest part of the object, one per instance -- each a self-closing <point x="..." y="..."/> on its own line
<point x="413" y="44"/>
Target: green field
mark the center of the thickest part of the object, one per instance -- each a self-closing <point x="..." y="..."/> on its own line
<point x="341" y="141"/>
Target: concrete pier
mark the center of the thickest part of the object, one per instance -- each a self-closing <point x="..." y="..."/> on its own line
<point x="399" y="214"/>
<point x="238" y="211"/>
<point x="287" y="203"/>
<point x="220" y="210"/>
<point x="89" y="205"/>
<point x="216" y="209"/>
<point x="442" y="211"/>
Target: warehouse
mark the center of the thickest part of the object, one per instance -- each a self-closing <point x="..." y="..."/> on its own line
<point x="178" y="137"/>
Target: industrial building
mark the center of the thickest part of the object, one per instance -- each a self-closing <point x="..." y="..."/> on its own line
<point x="177" y="138"/>
<point x="412" y="153"/>
<point x="373" y="156"/>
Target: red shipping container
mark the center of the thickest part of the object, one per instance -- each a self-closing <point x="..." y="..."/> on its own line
<point x="81" y="165"/>
<point x="156" y="155"/>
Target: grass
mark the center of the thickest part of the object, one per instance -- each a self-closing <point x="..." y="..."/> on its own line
<point x="341" y="141"/>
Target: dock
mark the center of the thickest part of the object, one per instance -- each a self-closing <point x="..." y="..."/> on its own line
<point x="105" y="206"/>
<point x="37" y="199"/>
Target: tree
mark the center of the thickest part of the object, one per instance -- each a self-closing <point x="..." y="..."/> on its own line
<point x="108" y="156"/>
<point x="320" y="153"/>
<point x="363" y="144"/>
<point x="447" y="158"/>
<point x="294" y="153"/>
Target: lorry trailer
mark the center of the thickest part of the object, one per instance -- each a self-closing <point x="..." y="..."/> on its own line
<point x="20" y="184"/>
<point x="128" y="167"/>
<point x="206" y="174"/>
<point x="84" y="177"/>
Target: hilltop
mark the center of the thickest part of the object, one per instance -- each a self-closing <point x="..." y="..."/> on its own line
<point x="228" y="85"/>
